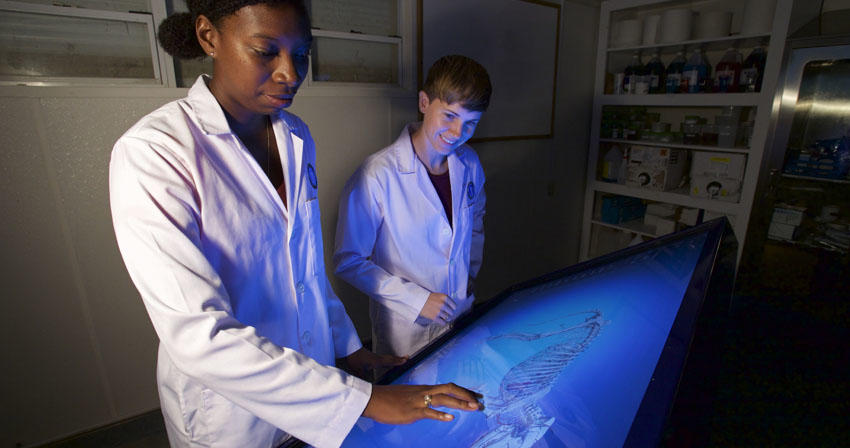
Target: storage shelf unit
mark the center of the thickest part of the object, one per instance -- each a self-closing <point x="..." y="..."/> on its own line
<point x="637" y="227"/>
<point x="676" y="197"/>
<point x="816" y="179"/>
<point x="719" y="43"/>
<point x="683" y="99"/>
<point x="675" y="145"/>
<point x="760" y="104"/>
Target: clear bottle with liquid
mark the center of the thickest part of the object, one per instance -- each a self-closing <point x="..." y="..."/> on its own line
<point x="752" y="71"/>
<point x="655" y="73"/>
<point x="611" y="164"/>
<point x="673" y="75"/>
<point x="696" y="76"/>
<point x="727" y="73"/>
<point x="635" y="80"/>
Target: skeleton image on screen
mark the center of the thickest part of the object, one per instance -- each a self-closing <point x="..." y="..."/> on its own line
<point x="549" y="357"/>
<point x="513" y="416"/>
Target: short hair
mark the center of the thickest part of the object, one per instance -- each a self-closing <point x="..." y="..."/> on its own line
<point x="459" y="79"/>
<point x="176" y="33"/>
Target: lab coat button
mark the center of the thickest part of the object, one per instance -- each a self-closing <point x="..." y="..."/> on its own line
<point x="452" y="262"/>
<point x="446" y="231"/>
<point x="306" y="338"/>
<point x="300" y="288"/>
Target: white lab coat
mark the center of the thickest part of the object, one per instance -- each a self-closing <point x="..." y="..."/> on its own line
<point x="394" y="243"/>
<point x="234" y="283"/>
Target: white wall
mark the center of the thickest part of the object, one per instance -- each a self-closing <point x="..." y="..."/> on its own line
<point x="78" y="349"/>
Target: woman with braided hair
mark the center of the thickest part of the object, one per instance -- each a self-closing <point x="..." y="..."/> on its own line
<point x="215" y="209"/>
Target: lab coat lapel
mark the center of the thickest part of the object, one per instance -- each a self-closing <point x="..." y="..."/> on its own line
<point x="297" y="180"/>
<point x="458" y="180"/>
<point x="291" y="148"/>
<point x="409" y="164"/>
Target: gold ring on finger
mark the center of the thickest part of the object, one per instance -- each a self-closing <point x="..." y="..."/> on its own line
<point x="427" y="400"/>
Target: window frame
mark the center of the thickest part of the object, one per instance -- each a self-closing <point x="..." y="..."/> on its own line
<point x="146" y="19"/>
<point x="163" y="64"/>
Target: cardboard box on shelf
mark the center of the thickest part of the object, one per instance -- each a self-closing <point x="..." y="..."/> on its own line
<point x="655" y="168"/>
<point x="661" y="209"/>
<point x="714" y="164"/>
<point x="717" y="176"/>
<point x="788" y="214"/>
<point x="663" y="226"/>
<point x="779" y="231"/>
<point x="617" y="209"/>
<point x="689" y="216"/>
<point x="724" y="189"/>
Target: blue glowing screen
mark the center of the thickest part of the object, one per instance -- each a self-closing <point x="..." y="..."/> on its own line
<point x="563" y="363"/>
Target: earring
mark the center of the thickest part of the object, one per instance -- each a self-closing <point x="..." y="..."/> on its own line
<point x="212" y="54"/>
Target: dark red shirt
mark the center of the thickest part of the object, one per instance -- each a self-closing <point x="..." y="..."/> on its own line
<point x="443" y="185"/>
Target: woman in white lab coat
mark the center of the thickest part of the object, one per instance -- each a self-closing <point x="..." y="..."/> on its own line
<point x="410" y="232"/>
<point x="214" y="204"/>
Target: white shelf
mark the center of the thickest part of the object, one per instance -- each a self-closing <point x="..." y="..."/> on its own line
<point x="682" y="99"/>
<point x="609" y="60"/>
<point x="677" y="197"/>
<point x="718" y="43"/>
<point x="816" y="179"/>
<point x="675" y="145"/>
<point x="634" y="226"/>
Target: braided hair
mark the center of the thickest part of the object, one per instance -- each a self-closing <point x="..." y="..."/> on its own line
<point x="176" y="33"/>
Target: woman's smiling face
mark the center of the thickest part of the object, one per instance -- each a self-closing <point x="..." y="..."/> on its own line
<point x="261" y="54"/>
<point x="446" y="126"/>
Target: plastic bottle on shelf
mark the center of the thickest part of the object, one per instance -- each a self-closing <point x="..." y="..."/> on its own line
<point x="655" y="72"/>
<point x="624" y="163"/>
<point x="696" y="75"/>
<point x="728" y="71"/>
<point x="752" y="71"/>
<point x="635" y="81"/>
<point x="673" y="75"/>
<point x="611" y="164"/>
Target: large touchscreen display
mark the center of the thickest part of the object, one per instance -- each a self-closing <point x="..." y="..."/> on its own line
<point x="563" y="363"/>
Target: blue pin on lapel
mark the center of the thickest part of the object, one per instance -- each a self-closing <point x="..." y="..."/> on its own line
<point x="311" y="174"/>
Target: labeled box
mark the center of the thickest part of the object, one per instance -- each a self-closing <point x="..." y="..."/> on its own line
<point x="788" y="214"/>
<point x="721" y="188"/>
<point x="655" y="168"/>
<point x="713" y="164"/>
<point x="779" y="231"/>
<point x="617" y="209"/>
<point x="717" y="176"/>
<point x="662" y="226"/>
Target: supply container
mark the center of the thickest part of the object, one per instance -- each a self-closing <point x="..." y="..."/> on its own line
<point x="676" y="25"/>
<point x="708" y="134"/>
<point x="673" y="75"/>
<point x="627" y="33"/>
<point x="710" y="24"/>
<point x="696" y="73"/>
<point x="758" y="17"/>
<point x="650" y="29"/>
<point x="752" y="71"/>
<point x="655" y="71"/>
<point x="727" y="135"/>
<point x="728" y="71"/>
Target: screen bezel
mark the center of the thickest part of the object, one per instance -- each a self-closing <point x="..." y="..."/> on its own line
<point x="713" y="277"/>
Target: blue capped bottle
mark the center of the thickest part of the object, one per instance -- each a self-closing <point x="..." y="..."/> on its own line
<point x="635" y="80"/>
<point x="655" y="73"/>
<point x="752" y="72"/>
<point x="696" y="76"/>
<point x="673" y="76"/>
